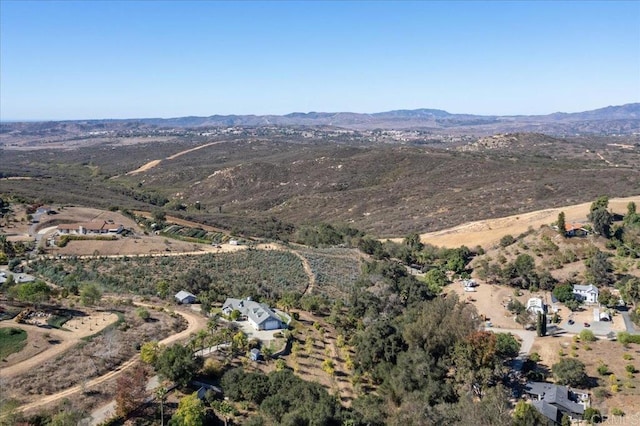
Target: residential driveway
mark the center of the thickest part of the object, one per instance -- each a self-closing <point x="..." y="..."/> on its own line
<point x="631" y="328"/>
<point x="265" y="336"/>
<point x="599" y="328"/>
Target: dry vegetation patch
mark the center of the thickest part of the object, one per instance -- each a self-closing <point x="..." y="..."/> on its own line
<point x="319" y="355"/>
<point x="95" y="356"/>
<point x="617" y="387"/>
<point x="487" y="233"/>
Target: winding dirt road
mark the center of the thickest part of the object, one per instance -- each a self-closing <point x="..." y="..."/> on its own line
<point x="67" y="341"/>
<point x="195" y="323"/>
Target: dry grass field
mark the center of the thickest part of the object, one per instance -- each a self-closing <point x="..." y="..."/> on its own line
<point x="487" y="233"/>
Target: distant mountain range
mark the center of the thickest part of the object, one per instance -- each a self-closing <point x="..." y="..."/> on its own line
<point x="627" y="116"/>
<point x="622" y="119"/>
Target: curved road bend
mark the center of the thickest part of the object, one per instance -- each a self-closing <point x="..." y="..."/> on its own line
<point x="195" y="323"/>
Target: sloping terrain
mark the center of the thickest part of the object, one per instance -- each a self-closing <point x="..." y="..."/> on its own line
<point x="251" y="184"/>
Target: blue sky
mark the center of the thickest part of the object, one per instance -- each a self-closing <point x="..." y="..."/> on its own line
<point x="80" y="60"/>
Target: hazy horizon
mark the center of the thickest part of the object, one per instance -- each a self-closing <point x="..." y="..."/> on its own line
<point x="124" y="60"/>
<point x="9" y="120"/>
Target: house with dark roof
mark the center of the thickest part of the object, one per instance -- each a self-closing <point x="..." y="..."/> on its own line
<point x="554" y="401"/>
<point x="259" y="315"/>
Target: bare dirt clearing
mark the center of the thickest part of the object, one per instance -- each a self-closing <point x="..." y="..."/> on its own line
<point x="487" y="233"/>
<point x="194" y="323"/>
<point x="46" y="343"/>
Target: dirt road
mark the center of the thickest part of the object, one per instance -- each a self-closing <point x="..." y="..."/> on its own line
<point x="195" y="323"/>
<point x="66" y="339"/>
<point x="154" y="163"/>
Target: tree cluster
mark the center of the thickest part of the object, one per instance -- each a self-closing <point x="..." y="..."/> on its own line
<point x="284" y="398"/>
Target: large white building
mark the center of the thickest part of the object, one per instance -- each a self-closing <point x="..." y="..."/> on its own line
<point x="259" y="315"/>
<point x="586" y="293"/>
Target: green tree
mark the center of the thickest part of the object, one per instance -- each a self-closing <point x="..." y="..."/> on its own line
<point x="177" y="363"/>
<point x="159" y="216"/>
<point x="599" y="269"/>
<point x="190" y="412"/>
<point x="632" y="217"/>
<point x="162" y="288"/>
<point x="607" y="298"/>
<point x="90" y="294"/>
<point x="526" y="414"/>
<point x="570" y="372"/>
<point x="600" y="217"/>
<point x="239" y="343"/>
<point x="413" y="241"/>
<point x="435" y="279"/>
<point x="507" y="346"/>
<point x="564" y="292"/>
<point x="224" y="410"/>
<point x="562" y="224"/>
<point x="35" y="292"/>
<point x="149" y="352"/>
<point x="631" y="291"/>
<point x="541" y="324"/>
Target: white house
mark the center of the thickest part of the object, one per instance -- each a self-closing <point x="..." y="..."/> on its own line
<point x="185" y="297"/>
<point x="587" y="293"/>
<point x="259" y="315"/>
<point x="535" y="305"/>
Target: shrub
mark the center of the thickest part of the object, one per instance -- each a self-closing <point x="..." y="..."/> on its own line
<point x="212" y="368"/>
<point x="630" y="368"/>
<point x="143" y="314"/>
<point x="535" y="357"/>
<point x="627" y="357"/>
<point x="587" y="336"/>
<point x="280" y="365"/>
<point x="603" y="369"/>
<point x="592" y="415"/>
<point x="601" y="393"/>
<point x="507" y="240"/>
<point x="617" y="412"/>
<point x="626" y="338"/>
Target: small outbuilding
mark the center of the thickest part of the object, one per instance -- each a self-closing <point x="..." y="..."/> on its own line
<point x="185" y="298"/>
<point x="535" y="305"/>
<point x="255" y="354"/>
